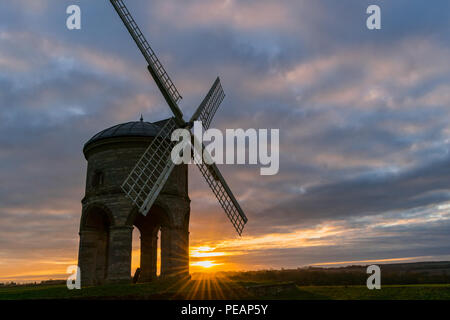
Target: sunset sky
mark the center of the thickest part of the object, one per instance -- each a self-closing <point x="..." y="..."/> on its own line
<point x="364" y="119"/>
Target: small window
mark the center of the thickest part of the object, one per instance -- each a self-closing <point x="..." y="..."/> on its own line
<point x="97" y="179"/>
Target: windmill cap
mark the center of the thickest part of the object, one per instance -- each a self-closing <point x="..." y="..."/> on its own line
<point x="128" y="129"/>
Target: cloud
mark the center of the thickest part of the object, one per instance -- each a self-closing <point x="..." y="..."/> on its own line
<point x="367" y="195"/>
<point x="248" y="15"/>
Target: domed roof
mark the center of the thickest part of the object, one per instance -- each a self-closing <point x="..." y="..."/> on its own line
<point x="128" y="129"/>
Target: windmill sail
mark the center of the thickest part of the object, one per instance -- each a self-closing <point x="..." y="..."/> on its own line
<point x="162" y="79"/>
<point x="207" y="109"/>
<point x="151" y="172"/>
<point x="211" y="173"/>
<point x="219" y="187"/>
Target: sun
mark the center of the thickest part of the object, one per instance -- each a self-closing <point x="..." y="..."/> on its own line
<point x="201" y="252"/>
<point x="207" y="264"/>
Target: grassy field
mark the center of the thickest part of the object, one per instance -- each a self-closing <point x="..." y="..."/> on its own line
<point x="217" y="289"/>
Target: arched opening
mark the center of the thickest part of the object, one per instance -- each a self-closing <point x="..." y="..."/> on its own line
<point x="149" y="227"/>
<point x="158" y="252"/>
<point x="136" y="254"/>
<point x="95" y="246"/>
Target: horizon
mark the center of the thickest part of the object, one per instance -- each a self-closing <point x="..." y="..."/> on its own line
<point x="217" y="273"/>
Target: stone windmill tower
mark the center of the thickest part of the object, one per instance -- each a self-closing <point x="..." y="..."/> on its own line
<point x="108" y="216"/>
<point x="132" y="181"/>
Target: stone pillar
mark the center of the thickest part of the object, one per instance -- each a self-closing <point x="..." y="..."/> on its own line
<point x="119" y="258"/>
<point x="102" y="257"/>
<point x="87" y="257"/>
<point x="174" y="252"/>
<point x="149" y="243"/>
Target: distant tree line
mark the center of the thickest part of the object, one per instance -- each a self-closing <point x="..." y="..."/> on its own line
<point x="339" y="276"/>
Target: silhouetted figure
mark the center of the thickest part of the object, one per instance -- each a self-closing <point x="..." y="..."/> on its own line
<point x="136" y="275"/>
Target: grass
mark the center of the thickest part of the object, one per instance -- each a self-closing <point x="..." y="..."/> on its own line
<point x="220" y="289"/>
<point x="391" y="292"/>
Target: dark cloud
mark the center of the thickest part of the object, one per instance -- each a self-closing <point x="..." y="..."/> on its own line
<point x="372" y="194"/>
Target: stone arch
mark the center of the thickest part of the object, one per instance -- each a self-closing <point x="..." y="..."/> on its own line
<point x="92" y="208"/>
<point x="96" y="221"/>
<point x="159" y="207"/>
<point x="157" y="219"/>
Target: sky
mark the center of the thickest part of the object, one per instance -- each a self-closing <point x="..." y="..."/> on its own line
<point x="363" y="117"/>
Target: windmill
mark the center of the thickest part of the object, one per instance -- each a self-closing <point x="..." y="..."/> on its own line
<point x="151" y="172"/>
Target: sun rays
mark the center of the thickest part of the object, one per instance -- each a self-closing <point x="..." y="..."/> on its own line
<point x="206" y="285"/>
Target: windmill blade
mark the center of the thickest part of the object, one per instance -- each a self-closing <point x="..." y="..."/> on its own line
<point x="207" y="109"/>
<point x="205" y="112"/>
<point x="151" y="172"/>
<point x="224" y="195"/>
<point x="159" y="74"/>
<point x="220" y="188"/>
